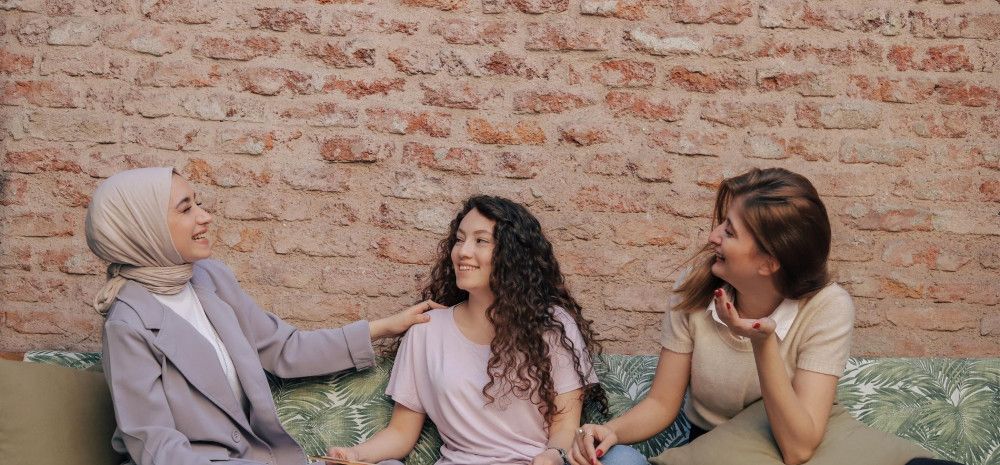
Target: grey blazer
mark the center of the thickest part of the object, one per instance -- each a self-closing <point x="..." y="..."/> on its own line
<point x="171" y="398"/>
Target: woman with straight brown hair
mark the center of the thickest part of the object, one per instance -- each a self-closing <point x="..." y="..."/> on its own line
<point x="755" y="317"/>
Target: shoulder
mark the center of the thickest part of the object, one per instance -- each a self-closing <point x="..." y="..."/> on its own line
<point x="830" y="306"/>
<point x="440" y="319"/>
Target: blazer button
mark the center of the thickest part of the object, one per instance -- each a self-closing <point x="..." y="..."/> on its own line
<point x="236" y="436"/>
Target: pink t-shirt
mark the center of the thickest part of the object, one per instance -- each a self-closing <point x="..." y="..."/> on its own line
<point x="438" y="371"/>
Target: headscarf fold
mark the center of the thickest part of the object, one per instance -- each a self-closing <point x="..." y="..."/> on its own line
<point x="127" y="225"/>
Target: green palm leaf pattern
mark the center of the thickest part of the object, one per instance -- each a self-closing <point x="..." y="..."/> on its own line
<point x="950" y="406"/>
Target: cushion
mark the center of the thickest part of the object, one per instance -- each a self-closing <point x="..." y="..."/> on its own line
<point x="54" y="415"/>
<point x="747" y="439"/>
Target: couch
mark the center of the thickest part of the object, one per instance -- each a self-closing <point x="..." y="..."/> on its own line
<point x="950" y="406"/>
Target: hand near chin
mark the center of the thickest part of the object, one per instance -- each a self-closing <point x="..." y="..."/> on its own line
<point x="398" y="324"/>
<point x="755" y="329"/>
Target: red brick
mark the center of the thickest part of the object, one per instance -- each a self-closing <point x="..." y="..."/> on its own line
<point x="154" y="40"/>
<point x="540" y="6"/>
<point x="320" y="179"/>
<point x="863" y="51"/>
<point x="630" y="104"/>
<point x="647" y="232"/>
<point x="415" y="61"/>
<point x="181" y="137"/>
<point x="284" y="19"/>
<point x="228" y="174"/>
<point x="434" y="124"/>
<point x="566" y="36"/>
<point x="907" y="253"/>
<point x="39" y="224"/>
<point x="52" y="94"/>
<point x="443" y="5"/>
<point x="990" y="126"/>
<point x="230" y="48"/>
<point x="588" y="259"/>
<point x="181" y="11"/>
<point x="990" y="326"/>
<point x="955" y="92"/>
<point x="598" y="199"/>
<point x="790" y="14"/>
<point x="356" y="89"/>
<point x="342" y="55"/>
<point x="503" y="64"/>
<point x="472" y="32"/>
<point x="660" y="42"/>
<point x="449" y="94"/>
<point x="640" y="299"/>
<point x="406" y="249"/>
<point x="40" y="160"/>
<point x="316" y="241"/>
<point x="838" y="115"/>
<point x="522" y="132"/>
<point x="964" y="25"/>
<point x="624" y="73"/>
<point x="705" y="11"/>
<point x="946" y="58"/>
<point x="250" y="141"/>
<point x="584" y="134"/>
<point x="518" y="165"/>
<point x="741" y="115"/>
<point x="889" y="218"/>
<point x="14" y="63"/>
<point x="72" y="194"/>
<point x="806" y="83"/>
<point x="178" y="74"/>
<point x="323" y="114"/>
<point x="938" y="318"/>
<point x="893" y="152"/>
<point x="223" y="107"/>
<point x="884" y="89"/>
<point x="74" y="32"/>
<point x="353" y="149"/>
<point x="983" y="291"/>
<point x="773" y="146"/>
<point x="74" y="126"/>
<point x="691" y="142"/>
<point x="952" y="188"/>
<point x="273" y="81"/>
<point x="710" y="82"/>
<point x="552" y="101"/>
<point x="459" y="160"/>
<point x="946" y="124"/>
<point x="624" y="9"/>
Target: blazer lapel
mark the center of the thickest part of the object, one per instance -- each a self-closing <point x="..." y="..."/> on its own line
<point x="186" y="349"/>
<point x="244" y="357"/>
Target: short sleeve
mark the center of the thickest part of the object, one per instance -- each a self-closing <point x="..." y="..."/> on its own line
<point x="564" y="375"/>
<point x="676" y="334"/>
<point x="826" y="344"/>
<point x="402" y="385"/>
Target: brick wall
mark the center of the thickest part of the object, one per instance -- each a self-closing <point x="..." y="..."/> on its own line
<point x="333" y="140"/>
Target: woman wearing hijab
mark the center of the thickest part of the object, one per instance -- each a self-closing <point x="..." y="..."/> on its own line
<point x="185" y="348"/>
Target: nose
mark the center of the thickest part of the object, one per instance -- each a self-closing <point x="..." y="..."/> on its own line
<point x="204" y="217"/>
<point x="465" y="248"/>
<point x="715" y="236"/>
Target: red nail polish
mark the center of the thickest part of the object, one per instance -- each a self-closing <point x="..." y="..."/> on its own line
<point x="756" y="326"/>
<point x="718" y="292"/>
<point x="600" y="453"/>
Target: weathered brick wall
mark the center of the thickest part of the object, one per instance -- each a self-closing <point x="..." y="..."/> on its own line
<point x="334" y="139"/>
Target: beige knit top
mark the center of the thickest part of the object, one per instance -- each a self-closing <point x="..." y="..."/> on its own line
<point x="723" y="372"/>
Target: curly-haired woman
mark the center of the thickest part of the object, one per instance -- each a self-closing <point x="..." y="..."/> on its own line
<point x="503" y="372"/>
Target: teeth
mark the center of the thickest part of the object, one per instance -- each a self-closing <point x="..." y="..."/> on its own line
<point x="467" y="268"/>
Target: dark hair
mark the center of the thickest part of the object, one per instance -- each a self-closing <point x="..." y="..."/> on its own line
<point x="527" y="286"/>
<point x="787" y="220"/>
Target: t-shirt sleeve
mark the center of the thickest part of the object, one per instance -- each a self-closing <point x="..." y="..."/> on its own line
<point x="827" y="342"/>
<point x="564" y="375"/>
<point x="676" y="331"/>
<point x="402" y="385"/>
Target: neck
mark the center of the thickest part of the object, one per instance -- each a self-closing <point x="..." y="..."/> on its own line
<point x="758" y="301"/>
<point x="478" y="303"/>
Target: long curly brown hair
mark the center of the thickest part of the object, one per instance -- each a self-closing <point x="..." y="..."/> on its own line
<point x="527" y="286"/>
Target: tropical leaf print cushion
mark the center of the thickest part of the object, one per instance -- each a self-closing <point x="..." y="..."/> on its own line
<point x="950" y="406"/>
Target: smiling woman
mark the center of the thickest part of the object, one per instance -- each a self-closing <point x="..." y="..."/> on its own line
<point x="185" y="349"/>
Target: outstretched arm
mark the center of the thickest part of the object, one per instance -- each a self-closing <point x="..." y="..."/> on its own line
<point x="394" y="442"/>
<point x="650" y="416"/>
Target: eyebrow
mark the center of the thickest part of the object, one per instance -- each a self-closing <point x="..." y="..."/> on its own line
<point x="476" y="231"/>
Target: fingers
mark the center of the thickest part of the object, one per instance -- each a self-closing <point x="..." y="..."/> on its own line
<point x="765" y="325"/>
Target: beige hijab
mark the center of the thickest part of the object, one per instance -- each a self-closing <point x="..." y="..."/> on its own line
<point x="127" y="226"/>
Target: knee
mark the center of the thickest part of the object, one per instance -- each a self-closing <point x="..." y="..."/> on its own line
<point x="623" y="455"/>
